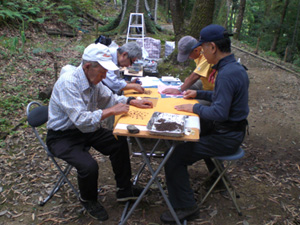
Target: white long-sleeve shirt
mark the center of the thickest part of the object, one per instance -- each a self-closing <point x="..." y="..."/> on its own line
<point x="113" y="78"/>
<point x="75" y="103"/>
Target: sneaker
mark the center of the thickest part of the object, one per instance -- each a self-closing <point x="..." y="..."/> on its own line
<point x="220" y="186"/>
<point x="95" y="209"/>
<point x="130" y="193"/>
<point x="189" y="213"/>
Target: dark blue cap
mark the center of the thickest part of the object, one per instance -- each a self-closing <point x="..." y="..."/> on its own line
<point x="212" y="32"/>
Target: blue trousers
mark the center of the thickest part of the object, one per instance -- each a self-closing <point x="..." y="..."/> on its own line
<point x="210" y="144"/>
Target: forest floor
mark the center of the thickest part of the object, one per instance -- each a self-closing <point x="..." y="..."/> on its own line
<point x="267" y="178"/>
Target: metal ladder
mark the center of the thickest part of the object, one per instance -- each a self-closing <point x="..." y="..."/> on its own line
<point x="136" y="22"/>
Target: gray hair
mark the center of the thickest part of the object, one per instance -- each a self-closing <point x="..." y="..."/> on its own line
<point x="94" y="63"/>
<point x="133" y="50"/>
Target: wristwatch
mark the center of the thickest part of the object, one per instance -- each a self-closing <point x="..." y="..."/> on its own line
<point x="179" y="89"/>
<point x="129" y="99"/>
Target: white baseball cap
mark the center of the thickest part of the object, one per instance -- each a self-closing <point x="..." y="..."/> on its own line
<point x="99" y="53"/>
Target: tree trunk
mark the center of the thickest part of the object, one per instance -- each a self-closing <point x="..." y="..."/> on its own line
<point x="202" y="15"/>
<point x="240" y="18"/>
<point x="257" y="45"/>
<point x="228" y="4"/>
<point x="155" y="11"/>
<point x="292" y="48"/>
<point x="119" y="26"/>
<point x="278" y="30"/>
<point x="177" y="18"/>
<point x="230" y="25"/>
<point x="220" y="13"/>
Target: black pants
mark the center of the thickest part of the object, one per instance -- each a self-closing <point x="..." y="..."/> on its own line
<point x="73" y="147"/>
<point x="210" y="144"/>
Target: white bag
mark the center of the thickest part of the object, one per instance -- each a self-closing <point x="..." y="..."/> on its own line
<point x="169" y="48"/>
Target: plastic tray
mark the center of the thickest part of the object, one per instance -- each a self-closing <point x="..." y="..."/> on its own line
<point x="167" y="124"/>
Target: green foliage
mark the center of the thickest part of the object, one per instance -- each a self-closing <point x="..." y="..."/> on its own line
<point x="24" y="10"/>
<point x="79" y="48"/>
<point x="32" y="11"/>
<point x="296" y="61"/>
<point x="11" y="103"/>
<point x="271" y="54"/>
<point x="262" y="20"/>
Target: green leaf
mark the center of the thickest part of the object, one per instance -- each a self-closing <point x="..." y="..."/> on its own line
<point x="40" y="20"/>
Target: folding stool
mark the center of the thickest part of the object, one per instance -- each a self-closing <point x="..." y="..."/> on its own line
<point x="37" y="115"/>
<point x="217" y="160"/>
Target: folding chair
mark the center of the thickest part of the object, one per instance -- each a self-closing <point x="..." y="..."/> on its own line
<point x="37" y="115"/>
<point x="222" y="169"/>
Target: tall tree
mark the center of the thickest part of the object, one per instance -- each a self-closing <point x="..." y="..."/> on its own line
<point x="221" y="13"/>
<point x="292" y="48"/>
<point x="278" y="29"/>
<point x="202" y="15"/>
<point x="177" y="18"/>
<point x="240" y="18"/>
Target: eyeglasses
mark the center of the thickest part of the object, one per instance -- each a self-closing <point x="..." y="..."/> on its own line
<point x="131" y="61"/>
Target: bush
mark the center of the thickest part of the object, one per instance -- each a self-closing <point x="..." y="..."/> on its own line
<point x="271" y="54"/>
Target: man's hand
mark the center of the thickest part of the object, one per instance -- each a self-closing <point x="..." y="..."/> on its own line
<point x="185" y="107"/>
<point x="190" y="94"/>
<point x="136" y="80"/>
<point x="120" y="108"/>
<point x="137" y="87"/>
<point x="172" y="91"/>
<point x="141" y="103"/>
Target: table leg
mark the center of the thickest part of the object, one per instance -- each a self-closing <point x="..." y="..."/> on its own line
<point x="136" y="177"/>
<point x="154" y="176"/>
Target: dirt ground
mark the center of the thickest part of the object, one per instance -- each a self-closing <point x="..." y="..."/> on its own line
<point x="267" y="178"/>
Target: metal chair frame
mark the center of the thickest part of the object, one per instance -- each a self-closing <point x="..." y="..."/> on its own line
<point x="63" y="172"/>
<point x="218" y="162"/>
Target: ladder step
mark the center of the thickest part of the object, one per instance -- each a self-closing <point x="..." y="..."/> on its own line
<point x="136" y="21"/>
<point x="135" y="35"/>
<point x="136" y="25"/>
<point x="134" y="38"/>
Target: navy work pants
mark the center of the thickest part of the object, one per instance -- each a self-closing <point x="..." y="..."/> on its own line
<point x="210" y="144"/>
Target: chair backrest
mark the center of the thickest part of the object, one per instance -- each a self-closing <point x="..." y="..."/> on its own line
<point x="37" y="115"/>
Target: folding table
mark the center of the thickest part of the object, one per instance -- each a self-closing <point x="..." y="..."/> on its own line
<point x="140" y="121"/>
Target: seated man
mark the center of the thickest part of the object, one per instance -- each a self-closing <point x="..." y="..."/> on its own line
<point x="187" y="49"/>
<point x="123" y="56"/>
<point x="223" y="123"/>
<point x="78" y="103"/>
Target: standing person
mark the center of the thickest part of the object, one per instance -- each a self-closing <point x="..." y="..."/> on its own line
<point x="78" y="103"/>
<point x="223" y="123"/>
<point x="198" y="79"/>
<point x="123" y="56"/>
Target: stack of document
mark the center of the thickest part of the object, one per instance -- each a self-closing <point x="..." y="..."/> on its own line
<point x="149" y="81"/>
<point x="170" y="79"/>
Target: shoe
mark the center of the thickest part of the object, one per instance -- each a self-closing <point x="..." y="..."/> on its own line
<point x="220" y="186"/>
<point x="95" y="209"/>
<point x="189" y="213"/>
<point x="130" y="193"/>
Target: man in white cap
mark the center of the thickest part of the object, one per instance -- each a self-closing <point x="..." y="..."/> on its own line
<point x="78" y="103"/>
<point x="198" y="79"/>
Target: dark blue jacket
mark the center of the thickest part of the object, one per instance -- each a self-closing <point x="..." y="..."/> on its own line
<point x="230" y="95"/>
